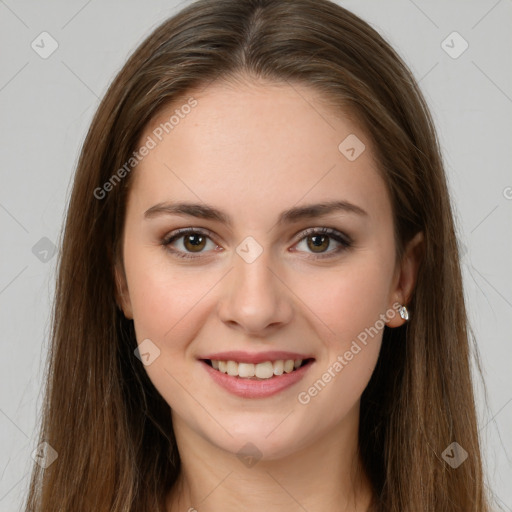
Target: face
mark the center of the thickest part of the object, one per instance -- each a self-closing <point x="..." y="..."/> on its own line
<point x="252" y="274"/>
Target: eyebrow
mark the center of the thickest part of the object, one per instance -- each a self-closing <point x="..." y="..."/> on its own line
<point x="205" y="211"/>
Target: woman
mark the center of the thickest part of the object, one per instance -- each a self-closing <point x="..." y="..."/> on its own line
<point x="259" y="304"/>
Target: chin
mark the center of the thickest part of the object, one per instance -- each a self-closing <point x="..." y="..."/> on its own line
<point x="259" y="441"/>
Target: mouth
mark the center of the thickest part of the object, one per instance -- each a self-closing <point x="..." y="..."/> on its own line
<point x="263" y="371"/>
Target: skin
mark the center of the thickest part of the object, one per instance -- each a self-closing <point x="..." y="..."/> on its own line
<point x="254" y="149"/>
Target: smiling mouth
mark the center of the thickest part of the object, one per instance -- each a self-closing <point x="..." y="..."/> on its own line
<point x="260" y="371"/>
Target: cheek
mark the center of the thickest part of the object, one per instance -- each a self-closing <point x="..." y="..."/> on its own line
<point x="348" y="300"/>
<point x="168" y="305"/>
<point x="348" y="306"/>
<point x="164" y="296"/>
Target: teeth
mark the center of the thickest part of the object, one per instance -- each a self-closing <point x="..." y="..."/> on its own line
<point x="245" y="370"/>
<point x="278" y="367"/>
<point x="232" y="368"/>
<point x="288" y="365"/>
<point x="264" y="370"/>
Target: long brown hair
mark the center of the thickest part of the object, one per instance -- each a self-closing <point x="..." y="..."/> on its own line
<point x="111" y="429"/>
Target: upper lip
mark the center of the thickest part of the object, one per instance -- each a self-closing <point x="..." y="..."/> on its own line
<point x="240" y="356"/>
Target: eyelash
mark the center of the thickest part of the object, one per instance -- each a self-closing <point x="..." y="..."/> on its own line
<point x="344" y="240"/>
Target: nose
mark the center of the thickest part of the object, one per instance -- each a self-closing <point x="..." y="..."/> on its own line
<point x="254" y="298"/>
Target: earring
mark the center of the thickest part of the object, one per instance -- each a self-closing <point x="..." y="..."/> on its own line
<point x="404" y="313"/>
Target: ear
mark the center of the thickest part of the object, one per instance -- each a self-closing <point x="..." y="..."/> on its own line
<point x="405" y="277"/>
<point x="122" y="295"/>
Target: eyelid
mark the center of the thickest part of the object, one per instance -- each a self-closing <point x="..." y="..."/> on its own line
<point x="179" y="233"/>
<point x="324" y="230"/>
<point x="184" y="231"/>
<point x="308" y="231"/>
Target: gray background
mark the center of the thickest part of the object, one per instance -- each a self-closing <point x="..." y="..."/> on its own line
<point x="47" y="104"/>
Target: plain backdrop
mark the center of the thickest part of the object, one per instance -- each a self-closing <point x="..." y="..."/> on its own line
<point x="46" y="105"/>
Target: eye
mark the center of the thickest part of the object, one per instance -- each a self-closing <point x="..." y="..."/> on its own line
<point x="318" y="240"/>
<point x="193" y="241"/>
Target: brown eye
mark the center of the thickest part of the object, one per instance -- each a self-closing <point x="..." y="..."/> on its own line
<point x="185" y="242"/>
<point x="318" y="243"/>
<point x="194" y="242"/>
<point x="319" y="240"/>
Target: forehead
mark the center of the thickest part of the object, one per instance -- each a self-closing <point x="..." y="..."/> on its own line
<point x="255" y="147"/>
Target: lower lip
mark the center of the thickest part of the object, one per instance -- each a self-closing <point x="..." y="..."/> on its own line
<point x="248" y="388"/>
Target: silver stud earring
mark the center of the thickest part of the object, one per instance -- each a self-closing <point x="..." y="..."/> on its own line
<point x="404" y="313"/>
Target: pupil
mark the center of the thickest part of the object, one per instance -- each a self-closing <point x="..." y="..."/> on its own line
<point x="191" y="237"/>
